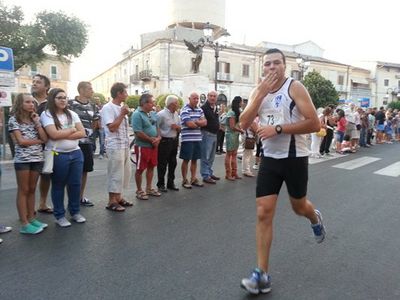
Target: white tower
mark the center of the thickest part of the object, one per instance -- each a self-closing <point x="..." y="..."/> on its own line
<point x="195" y="14"/>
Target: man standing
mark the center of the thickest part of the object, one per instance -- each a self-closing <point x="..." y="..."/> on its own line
<point x="192" y="119"/>
<point x="168" y="122"/>
<point x="89" y="115"/>
<point x="115" y="123"/>
<point x="286" y="114"/>
<point x="40" y="88"/>
<point x="147" y="138"/>
<point x="209" y="138"/>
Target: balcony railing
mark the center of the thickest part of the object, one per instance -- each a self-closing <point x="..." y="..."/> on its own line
<point x="145" y="75"/>
<point x="134" y="79"/>
<point x="226" y="77"/>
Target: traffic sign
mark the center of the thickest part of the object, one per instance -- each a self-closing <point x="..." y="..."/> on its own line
<point x="6" y="59"/>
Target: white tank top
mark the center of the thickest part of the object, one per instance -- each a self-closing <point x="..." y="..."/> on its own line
<point x="279" y="108"/>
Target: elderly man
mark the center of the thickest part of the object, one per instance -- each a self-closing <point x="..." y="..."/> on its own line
<point x="209" y="138"/>
<point x="192" y="119"/>
<point x="147" y="139"/>
<point x="168" y="122"/>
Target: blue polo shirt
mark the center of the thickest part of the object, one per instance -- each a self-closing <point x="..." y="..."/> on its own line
<point x="146" y="123"/>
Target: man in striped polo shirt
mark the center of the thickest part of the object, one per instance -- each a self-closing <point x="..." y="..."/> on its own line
<point x="192" y="119"/>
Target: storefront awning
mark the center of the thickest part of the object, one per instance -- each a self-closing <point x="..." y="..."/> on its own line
<point x="359" y="80"/>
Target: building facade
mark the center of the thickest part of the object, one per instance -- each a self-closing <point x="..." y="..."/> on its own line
<point x="57" y="71"/>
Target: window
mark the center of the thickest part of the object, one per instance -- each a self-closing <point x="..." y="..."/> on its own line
<point x="137" y="69"/>
<point x="34" y="70"/>
<point x="245" y="70"/>
<point x="224" y="67"/>
<point x="386" y="82"/>
<point x="398" y="84"/>
<point x="340" y="80"/>
<point x="295" y="74"/>
<point x="53" y="72"/>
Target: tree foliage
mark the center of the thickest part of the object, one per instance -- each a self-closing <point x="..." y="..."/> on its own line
<point x="65" y="35"/>
<point x="394" y="104"/>
<point x="321" y="90"/>
<point x="160" y="100"/>
<point x="132" y="101"/>
<point x="101" y="97"/>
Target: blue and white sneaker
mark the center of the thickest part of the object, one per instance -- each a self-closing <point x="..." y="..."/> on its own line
<point x="319" y="228"/>
<point x="258" y="282"/>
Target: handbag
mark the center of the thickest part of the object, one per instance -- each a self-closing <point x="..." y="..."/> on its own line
<point x="321" y="132"/>
<point x="249" y="142"/>
<point x="48" y="160"/>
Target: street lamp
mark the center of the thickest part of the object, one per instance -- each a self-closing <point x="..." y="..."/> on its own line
<point x="208" y="34"/>
<point x="303" y="65"/>
<point x="389" y="91"/>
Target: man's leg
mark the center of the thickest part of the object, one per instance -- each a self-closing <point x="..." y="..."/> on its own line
<point x="184" y="169"/>
<point x="265" y="213"/>
<point x="163" y="153"/>
<point x="149" y="177"/>
<point x="138" y="179"/>
<point x="304" y="207"/>
<point x="193" y="169"/>
<point x="83" y="186"/>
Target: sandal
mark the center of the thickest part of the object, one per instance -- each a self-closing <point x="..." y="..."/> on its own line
<point x="125" y="203"/>
<point x="197" y="183"/>
<point x="141" y="195"/>
<point x="47" y="210"/>
<point x="115" y="207"/>
<point x="154" y="192"/>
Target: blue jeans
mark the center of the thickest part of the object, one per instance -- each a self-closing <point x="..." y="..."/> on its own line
<point x="208" y="147"/>
<point x="67" y="171"/>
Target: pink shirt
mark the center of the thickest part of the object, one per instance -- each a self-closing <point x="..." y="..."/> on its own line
<point x="341" y="125"/>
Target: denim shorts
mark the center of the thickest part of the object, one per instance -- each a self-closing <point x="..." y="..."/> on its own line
<point x="339" y="136"/>
<point x="190" y="150"/>
<point x="29" y="166"/>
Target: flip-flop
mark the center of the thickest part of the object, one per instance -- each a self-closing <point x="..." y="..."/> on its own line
<point x="115" y="207"/>
<point x="47" y="210"/>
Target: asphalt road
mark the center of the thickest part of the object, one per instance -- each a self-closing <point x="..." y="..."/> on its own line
<point x="199" y="243"/>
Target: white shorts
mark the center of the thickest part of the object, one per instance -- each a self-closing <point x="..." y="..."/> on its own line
<point x="118" y="170"/>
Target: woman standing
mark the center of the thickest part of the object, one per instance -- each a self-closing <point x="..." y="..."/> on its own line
<point x="232" y="139"/>
<point x="340" y="129"/>
<point x="328" y="122"/>
<point x="64" y="129"/>
<point x="28" y="135"/>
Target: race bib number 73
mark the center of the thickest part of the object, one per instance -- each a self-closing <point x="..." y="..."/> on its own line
<point x="270" y="116"/>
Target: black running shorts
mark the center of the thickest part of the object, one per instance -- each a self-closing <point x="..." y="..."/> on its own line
<point x="273" y="172"/>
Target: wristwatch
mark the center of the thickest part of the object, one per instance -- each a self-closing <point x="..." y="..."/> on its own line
<point x="278" y="129"/>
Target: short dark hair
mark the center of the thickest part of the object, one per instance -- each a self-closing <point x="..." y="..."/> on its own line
<point x="45" y="79"/>
<point x="116" y="88"/>
<point x="144" y="99"/>
<point x="82" y="85"/>
<point x="276" y="50"/>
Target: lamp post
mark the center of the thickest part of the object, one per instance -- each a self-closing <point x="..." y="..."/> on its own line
<point x="208" y="34"/>
<point x="389" y="92"/>
<point x="303" y="65"/>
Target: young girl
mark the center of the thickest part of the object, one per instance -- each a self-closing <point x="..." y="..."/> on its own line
<point x="28" y="136"/>
<point x="64" y="129"/>
<point x="340" y="129"/>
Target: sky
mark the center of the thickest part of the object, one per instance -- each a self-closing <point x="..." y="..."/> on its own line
<point x="348" y="31"/>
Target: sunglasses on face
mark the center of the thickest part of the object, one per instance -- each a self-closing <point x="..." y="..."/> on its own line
<point x="61" y="98"/>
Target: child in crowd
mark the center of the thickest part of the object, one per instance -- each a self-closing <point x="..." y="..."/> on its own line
<point x="28" y="135"/>
<point x="389" y="130"/>
<point x="346" y="145"/>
